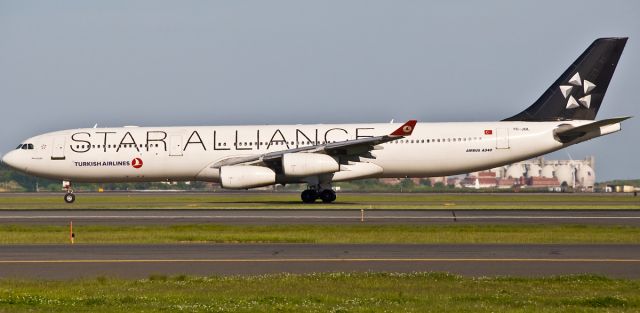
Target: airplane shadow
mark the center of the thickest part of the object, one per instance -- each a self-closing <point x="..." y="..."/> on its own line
<point x="293" y="202"/>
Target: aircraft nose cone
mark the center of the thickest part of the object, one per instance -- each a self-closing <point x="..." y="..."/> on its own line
<point x="10" y="159"/>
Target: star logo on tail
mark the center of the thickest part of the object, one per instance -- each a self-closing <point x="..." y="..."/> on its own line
<point x="574" y="83"/>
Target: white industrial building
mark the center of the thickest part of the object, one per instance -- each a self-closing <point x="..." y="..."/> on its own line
<point x="537" y="173"/>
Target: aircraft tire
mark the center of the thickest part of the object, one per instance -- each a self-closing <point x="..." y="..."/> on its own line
<point x="69" y="198"/>
<point x="309" y="196"/>
<point x="328" y="196"/>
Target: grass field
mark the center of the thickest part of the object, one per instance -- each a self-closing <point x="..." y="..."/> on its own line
<point x="419" y="292"/>
<point x="518" y="234"/>
<point x="348" y="200"/>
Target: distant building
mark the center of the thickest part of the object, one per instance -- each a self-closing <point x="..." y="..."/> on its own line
<point x="621" y="188"/>
<point x="537" y="173"/>
<point x="553" y="175"/>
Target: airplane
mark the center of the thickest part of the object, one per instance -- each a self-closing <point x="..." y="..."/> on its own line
<point x="244" y="157"/>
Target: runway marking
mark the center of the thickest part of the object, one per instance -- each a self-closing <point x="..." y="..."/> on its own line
<point x="311" y="217"/>
<point x="300" y="260"/>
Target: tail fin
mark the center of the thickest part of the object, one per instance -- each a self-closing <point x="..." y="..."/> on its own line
<point x="579" y="91"/>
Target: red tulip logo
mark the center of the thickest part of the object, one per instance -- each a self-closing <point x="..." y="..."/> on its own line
<point x="136" y="163"/>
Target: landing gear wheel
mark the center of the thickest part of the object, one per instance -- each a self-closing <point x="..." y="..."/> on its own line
<point x="69" y="198"/>
<point x="309" y="196"/>
<point x="328" y="196"/>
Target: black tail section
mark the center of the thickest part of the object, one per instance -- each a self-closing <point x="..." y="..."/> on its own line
<point x="579" y="91"/>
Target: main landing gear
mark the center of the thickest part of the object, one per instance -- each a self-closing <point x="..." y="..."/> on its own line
<point x="311" y="195"/>
<point x="69" y="197"/>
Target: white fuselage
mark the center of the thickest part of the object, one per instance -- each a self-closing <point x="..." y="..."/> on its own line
<point x="188" y="153"/>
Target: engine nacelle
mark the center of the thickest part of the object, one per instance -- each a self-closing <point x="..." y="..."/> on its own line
<point x="357" y="170"/>
<point x="307" y="164"/>
<point x="246" y="176"/>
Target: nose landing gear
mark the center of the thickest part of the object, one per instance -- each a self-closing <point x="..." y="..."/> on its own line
<point x="69" y="197"/>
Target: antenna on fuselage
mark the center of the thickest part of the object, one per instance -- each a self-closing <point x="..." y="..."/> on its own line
<point x="95" y="126"/>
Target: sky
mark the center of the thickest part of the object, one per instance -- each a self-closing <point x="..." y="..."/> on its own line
<point x="72" y="64"/>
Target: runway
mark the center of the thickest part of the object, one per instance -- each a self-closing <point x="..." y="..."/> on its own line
<point x="310" y="216"/>
<point x="140" y="261"/>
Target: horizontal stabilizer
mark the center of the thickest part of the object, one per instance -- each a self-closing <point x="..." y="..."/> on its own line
<point x="567" y="133"/>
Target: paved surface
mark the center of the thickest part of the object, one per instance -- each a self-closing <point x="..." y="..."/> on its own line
<point x="139" y="261"/>
<point x="309" y="216"/>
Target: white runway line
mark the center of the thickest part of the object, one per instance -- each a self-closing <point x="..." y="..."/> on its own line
<point x="312" y="217"/>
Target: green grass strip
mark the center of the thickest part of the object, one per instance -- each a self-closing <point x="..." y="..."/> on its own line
<point x="34" y="234"/>
<point x="337" y="292"/>
<point x="349" y="200"/>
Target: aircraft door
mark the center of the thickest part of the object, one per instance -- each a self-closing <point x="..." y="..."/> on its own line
<point x="175" y="145"/>
<point x="502" y="138"/>
<point x="57" y="150"/>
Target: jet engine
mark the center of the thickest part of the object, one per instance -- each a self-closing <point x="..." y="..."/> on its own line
<point x="307" y="164"/>
<point x="246" y="176"/>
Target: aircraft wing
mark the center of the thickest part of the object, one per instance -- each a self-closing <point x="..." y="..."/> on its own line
<point x="356" y="147"/>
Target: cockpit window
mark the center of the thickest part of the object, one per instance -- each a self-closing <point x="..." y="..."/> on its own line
<point x="25" y="146"/>
<point x="19" y="146"/>
<point x="30" y="146"/>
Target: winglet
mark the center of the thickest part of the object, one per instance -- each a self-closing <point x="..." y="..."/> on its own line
<point x="405" y="130"/>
